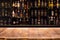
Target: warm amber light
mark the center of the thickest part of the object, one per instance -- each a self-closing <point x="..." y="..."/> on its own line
<point x="51" y="4"/>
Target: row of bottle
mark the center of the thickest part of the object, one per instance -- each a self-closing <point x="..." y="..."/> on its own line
<point x="36" y="3"/>
<point x="54" y="4"/>
<point x="30" y="21"/>
<point x="5" y="4"/>
<point x="5" y="12"/>
<point x="6" y="21"/>
<point x="20" y="9"/>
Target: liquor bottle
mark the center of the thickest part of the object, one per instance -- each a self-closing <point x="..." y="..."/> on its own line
<point x="31" y="4"/>
<point x="31" y="12"/>
<point x="45" y="13"/>
<point x="2" y="12"/>
<point x="20" y="19"/>
<point x="56" y="12"/>
<point x="9" y="5"/>
<point x="52" y="13"/>
<point x="35" y="13"/>
<point x="45" y="21"/>
<point x="5" y="4"/>
<point x="41" y="12"/>
<point x="1" y="22"/>
<point x="2" y="4"/>
<point x="17" y="21"/>
<point x="35" y="3"/>
<point x="4" y="22"/>
<point x="32" y="21"/>
<point x="39" y="21"/>
<point x="57" y="21"/>
<point x="21" y="14"/>
<point x="39" y="16"/>
<point x="36" y="21"/>
<point x="50" y="4"/>
<point x="13" y="13"/>
<point x="13" y="4"/>
<point x="23" y="4"/>
<point x="42" y="21"/>
<point x="21" y="0"/>
<point x="18" y="4"/>
<point x="27" y="6"/>
<point x="51" y="19"/>
<point x="38" y="3"/>
<point x="14" y="22"/>
<point x="18" y="13"/>
<point x="5" y="13"/>
<point x="57" y="4"/>
<point x="45" y="4"/>
<point x="42" y="4"/>
<point x="26" y="15"/>
<point x="38" y="12"/>
<point x="9" y="21"/>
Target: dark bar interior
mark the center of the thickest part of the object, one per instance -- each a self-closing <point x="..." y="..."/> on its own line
<point x="29" y="12"/>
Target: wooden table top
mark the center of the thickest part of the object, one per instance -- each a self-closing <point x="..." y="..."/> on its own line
<point x="30" y="32"/>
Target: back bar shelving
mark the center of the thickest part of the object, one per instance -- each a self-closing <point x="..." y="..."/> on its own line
<point x="29" y="12"/>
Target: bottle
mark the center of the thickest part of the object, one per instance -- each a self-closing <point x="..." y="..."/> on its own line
<point x="52" y="13"/>
<point x="1" y="22"/>
<point x="13" y="4"/>
<point x="17" y="21"/>
<point x="52" y="19"/>
<point x="6" y="14"/>
<point x="2" y="12"/>
<point x="2" y="4"/>
<point x="13" y="13"/>
<point x="32" y="21"/>
<point x="26" y="15"/>
<point x="9" y="21"/>
<point x="14" y="22"/>
<point x="35" y="4"/>
<point x="31" y="5"/>
<point x="39" y="21"/>
<point x="50" y="4"/>
<point x="42" y="4"/>
<point x="18" y="4"/>
<point x="18" y="13"/>
<point x="31" y="12"/>
<point x="39" y="17"/>
<point x="9" y="5"/>
<point x="45" y="13"/>
<point x="38" y="3"/>
<point x="35" y="12"/>
<point x="38" y="12"/>
<point x="5" y="22"/>
<point x="45" y="21"/>
<point x="57" y="4"/>
<point x="41" y="12"/>
<point x="42" y="21"/>
<point x="57" y="22"/>
<point x="6" y="5"/>
<point x="36" y="21"/>
<point x="23" y="4"/>
<point x="45" y="4"/>
<point x="21" y="14"/>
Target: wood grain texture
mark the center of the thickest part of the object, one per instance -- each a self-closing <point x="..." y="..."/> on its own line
<point x="31" y="32"/>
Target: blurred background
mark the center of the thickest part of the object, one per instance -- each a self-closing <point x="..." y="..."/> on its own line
<point x="29" y="12"/>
